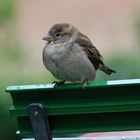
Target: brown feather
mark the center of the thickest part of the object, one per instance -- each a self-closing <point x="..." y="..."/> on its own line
<point x="91" y="51"/>
<point x="93" y="54"/>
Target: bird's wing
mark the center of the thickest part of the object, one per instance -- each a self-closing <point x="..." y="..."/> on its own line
<point x="91" y="51"/>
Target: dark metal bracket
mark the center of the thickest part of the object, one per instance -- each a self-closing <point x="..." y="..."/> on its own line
<point x="39" y="122"/>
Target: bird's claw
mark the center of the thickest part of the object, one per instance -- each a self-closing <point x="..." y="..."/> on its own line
<point x="84" y="83"/>
<point x="58" y="83"/>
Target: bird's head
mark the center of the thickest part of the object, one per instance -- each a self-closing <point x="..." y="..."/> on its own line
<point x="60" y="33"/>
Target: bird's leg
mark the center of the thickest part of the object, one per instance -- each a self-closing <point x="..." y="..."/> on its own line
<point x="84" y="83"/>
<point x="58" y="83"/>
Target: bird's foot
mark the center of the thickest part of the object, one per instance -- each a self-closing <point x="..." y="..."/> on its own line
<point x="84" y="83"/>
<point x="58" y="83"/>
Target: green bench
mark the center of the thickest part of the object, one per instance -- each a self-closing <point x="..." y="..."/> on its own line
<point x="70" y="109"/>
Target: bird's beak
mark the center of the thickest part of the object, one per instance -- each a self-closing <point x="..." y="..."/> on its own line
<point x="48" y="38"/>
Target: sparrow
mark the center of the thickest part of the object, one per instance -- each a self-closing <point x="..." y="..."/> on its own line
<point x="70" y="55"/>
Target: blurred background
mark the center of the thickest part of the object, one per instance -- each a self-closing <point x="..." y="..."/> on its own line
<point x="112" y="25"/>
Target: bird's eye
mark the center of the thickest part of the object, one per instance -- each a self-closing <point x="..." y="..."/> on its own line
<point x="57" y="34"/>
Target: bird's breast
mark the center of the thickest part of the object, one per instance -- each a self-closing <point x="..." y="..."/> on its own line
<point x="55" y="52"/>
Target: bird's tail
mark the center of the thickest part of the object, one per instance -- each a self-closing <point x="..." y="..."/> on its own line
<point x="107" y="70"/>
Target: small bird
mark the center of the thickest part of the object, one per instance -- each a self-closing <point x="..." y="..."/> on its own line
<point x="70" y="56"/>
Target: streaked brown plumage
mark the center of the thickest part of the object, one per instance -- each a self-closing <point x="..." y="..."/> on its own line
<point x="93" y="54"/>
